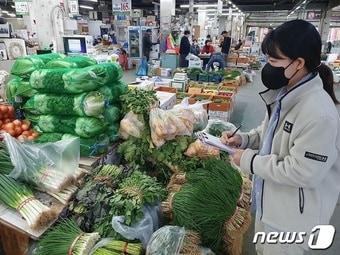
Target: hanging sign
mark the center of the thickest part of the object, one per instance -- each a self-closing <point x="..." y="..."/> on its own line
<point x="73" y="7"/>
<point x="21" y="7"/>
<point x="119" y="6"/>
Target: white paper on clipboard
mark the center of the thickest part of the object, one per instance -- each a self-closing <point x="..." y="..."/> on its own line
<point x="214" y="141"/>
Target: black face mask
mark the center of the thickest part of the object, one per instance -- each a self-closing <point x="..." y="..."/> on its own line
<point x="274" y="77"/>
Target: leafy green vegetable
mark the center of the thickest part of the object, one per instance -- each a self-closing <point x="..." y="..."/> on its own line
<point x="23" y="67"/>
<point x="49" y="81"/>
<point x="133" y="193"/>
<point x="138" y="101"/>
<point x="72" y="62"/>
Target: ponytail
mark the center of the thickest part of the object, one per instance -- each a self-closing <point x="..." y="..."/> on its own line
<point x="327" y="78"/>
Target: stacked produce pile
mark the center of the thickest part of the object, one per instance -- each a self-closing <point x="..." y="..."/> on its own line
<point x="72" y="97"/>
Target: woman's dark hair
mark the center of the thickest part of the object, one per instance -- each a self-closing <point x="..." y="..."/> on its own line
<point x="300" y="39"/>
<point x="207" y="41"/>
<point x="187" y="32"/>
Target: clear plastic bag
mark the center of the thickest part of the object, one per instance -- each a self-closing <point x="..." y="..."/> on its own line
<point x="201" y="114"/>
<point x="201" y="150"/>
<point x="143" y="229"/>
<point x="49" y="166"/>
<point x="217" y="127"/>
<point x="131" y="125"/>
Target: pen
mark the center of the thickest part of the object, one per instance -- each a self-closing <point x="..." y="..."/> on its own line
<point x="237" y="129"/>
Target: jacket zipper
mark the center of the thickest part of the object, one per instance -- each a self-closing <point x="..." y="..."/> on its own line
<point x="301" y="200"/>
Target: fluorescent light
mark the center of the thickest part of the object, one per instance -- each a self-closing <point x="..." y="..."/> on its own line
<point x="86" y="7"/>
<point x="304" y="2"/>
<point x="95" y="1"/>
<point x="198" y="5"/>
<point x="234" y="5"/>
<point x="11" y="15"/>
<point x="6" y="12"/>
<point x="13" y="6"/>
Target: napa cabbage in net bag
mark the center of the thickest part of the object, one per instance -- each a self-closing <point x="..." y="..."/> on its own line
<point x="46" y="58"/>
<point x="18" y="87"/>
<point x="113" y="132"/>
<point x="49" y="137"/>
<point x="49" y="81"/>
<point x="91" y="146"/>
<point x="23" y="67"/>
<point x="112" y="114"/>
<point x="86" y="104"/>
<point x="85" y="127"/>
<point x="113" y="91"/>
<point x="48" y="166"/>
<point x="72" y="62"/>
<point x="91" y="78"/>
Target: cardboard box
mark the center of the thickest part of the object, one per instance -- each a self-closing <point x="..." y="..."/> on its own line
<point x="165" y="72"/>
<point x="166" y="89"/>
<point x="166" y="100"/>
<point x="195" y="63"/>
<point x="179" y="85"/>
<point x="162" y="82"/>
<point x="193" y="91"/>
<point x="225" y="116"/>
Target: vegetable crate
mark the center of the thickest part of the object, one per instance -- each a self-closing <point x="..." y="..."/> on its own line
<point x="200" y="97"/>
<point x="221" y="107"/>
<point x="166" y="89"/>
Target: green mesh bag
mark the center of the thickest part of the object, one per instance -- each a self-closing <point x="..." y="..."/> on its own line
<point x="49" y="81"/>
<point x="112" y="114"/>
<point x="23" y="67"/>
<point x="91" y="78"/>
<point x="18" y="87"/>
<point x="91" y="146"/>
<point x="85" y="127"/>
<point x="72" y="62"/>
<point x="49" y="138"/>
<point x="113" y="132"/>
<point x="113" y="91"/>
<point x="46" y="58"/>
<point x="87" y="104"/>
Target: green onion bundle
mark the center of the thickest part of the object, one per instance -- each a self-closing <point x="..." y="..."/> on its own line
<point x="50" y="179"/>
<point x="118" y="247"/>
<point x="110" y="171"/>
<point x="6" y="166"/>
<point x="65" y="195"/>
<point x="67" y="239"/>
<point x="19" y="197"/>
<point x="207" y="201"/>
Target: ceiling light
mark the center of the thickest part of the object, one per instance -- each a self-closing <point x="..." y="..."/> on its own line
<point x="95" y="1"/>
<point x="13" y="6"/>
<point x="304" y="2"/>
<point x="198" y="5"/>
<point x="86" y="7"/>
<point x="6" y="12"/>
<point x="234" y="5"/>
<point x="11" y="15"/>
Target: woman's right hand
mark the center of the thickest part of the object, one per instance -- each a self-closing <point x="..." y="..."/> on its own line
<point x="234" y="141"/>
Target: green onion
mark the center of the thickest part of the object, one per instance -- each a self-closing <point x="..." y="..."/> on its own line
<point x="118" y="247"/>
<point x="21" y="198"/>
<point x="65" y="195"/>
<point x="6" y="166"/>
<point x="67" y="238"/>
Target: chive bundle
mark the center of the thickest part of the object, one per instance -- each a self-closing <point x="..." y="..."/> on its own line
<point x="6" y="166"/>
<point x="66" y="238"/>
<point x="207" y="201"/>
<point x="114" y="247"/>
<point x="19" y="197"/>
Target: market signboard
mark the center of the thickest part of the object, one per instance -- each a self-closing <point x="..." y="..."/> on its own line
<point x="119" y="6"/>
<point x="73" y="7"/>
<point x="22" y="7"/>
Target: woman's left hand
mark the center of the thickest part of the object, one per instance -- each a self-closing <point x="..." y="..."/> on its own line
<point x="237" y="156"/>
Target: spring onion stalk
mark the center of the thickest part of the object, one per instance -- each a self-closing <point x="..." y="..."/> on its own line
<point x="118" y="247"/>
<point x="19" y="197"/>
<point x="6" y="166"/>
<point x="50" y="179"/>
<point x="110" y="170"/>
<point x="65" y="195"/>
<point x="67" y="238"/>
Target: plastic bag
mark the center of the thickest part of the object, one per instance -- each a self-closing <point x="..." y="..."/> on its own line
<point x="143" y="68"/>
<point x="131" y="125"/>
<point x="201" y="150"/>
<point x="217" y="127"/>
<point x="90" y="104"/>
<point x="92" y="77"/>
<point x="86" y="127"/>
<point x="201" y="114"/>
<point x="143" y="229"/>
<point x="166" y="125"/>
<point x="72" y="62"/>
<point x="23" y="67"/>
<point x="49" y="166"/>
<point x="49" y="81"/>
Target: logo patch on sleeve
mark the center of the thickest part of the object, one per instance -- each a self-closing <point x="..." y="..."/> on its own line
<point x="288" y="127"/>
<point x="316" y="157"/>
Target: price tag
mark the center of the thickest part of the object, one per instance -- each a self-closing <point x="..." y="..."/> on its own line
<point x="121" y="6"/>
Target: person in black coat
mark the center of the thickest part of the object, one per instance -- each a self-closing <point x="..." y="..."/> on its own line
<point x="225" y="44"/>
<point x="184" y="49"/>
<point x="147" y="44"/>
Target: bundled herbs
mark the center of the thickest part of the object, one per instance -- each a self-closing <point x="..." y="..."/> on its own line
<point x="20" y="198"/>
<point x="138" y="101"/>
<point x="132" y="194"/>
<point x="91" y="206"/>
<point x="113" y="247"/>
<point x="67" y="238"/>
<point x="6" y="166"/>
<point x="207" y="201"/>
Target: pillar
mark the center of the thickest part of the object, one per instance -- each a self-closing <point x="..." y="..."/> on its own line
<point x="325" y="24"/>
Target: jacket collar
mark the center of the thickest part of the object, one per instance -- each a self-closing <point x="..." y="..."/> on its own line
<point x="292" y="96"/>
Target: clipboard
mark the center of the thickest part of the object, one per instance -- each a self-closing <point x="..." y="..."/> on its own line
<point x="214" y="141"/>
